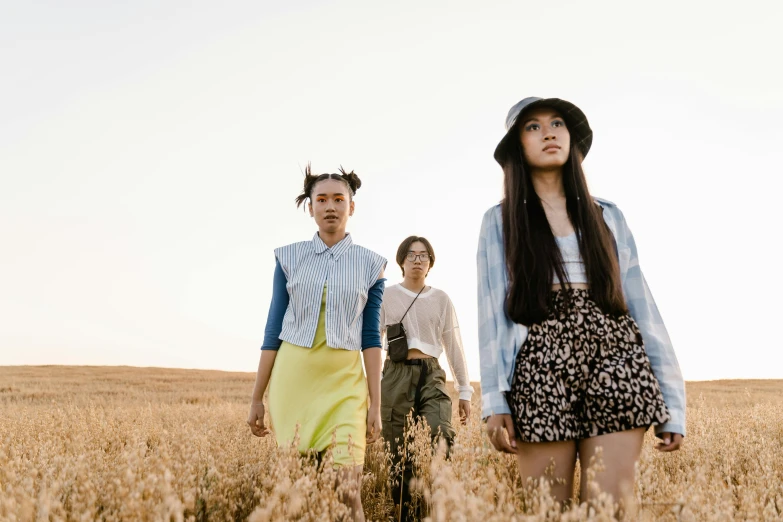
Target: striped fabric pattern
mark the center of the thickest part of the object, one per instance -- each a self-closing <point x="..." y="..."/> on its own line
<point x="500" y="338"/>
<point x="347" y="270"/>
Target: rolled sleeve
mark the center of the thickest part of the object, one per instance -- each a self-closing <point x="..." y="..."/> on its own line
<point x="465" y="392"/>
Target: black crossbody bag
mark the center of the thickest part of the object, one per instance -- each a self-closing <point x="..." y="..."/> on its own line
<point x="396" y="337"/>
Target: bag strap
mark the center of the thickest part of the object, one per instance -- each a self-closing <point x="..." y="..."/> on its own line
<point x="422" y="380"/>
<point x="414" y="300"/>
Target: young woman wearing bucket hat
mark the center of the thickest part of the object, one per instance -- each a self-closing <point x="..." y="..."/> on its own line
<point x="324" y="320"/>
<point x="574" y="353"/>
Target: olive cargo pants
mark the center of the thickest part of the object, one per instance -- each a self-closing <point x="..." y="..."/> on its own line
<point x="418" y="385"/>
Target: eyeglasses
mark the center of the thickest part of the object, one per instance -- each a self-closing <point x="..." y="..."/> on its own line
<point x="424" y="258"/>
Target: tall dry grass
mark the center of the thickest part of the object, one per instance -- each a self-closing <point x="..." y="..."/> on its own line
<point x="85" y="443"/>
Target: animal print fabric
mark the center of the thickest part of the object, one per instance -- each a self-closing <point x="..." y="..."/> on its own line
<point x="582" y="373"/>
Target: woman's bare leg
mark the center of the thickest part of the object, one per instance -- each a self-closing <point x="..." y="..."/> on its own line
<point x="534" y="459"/>
<point x="621" y="450"/>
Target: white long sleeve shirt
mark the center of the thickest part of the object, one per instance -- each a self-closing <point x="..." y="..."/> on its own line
<point x="431" y="327"/>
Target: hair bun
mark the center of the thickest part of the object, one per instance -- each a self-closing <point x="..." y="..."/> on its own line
<point x="352" y="178"/>
<point x="309" y="180"/>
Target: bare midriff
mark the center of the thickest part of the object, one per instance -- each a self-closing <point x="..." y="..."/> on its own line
<point x="413" y="353"/>
<point x="575" y="286"/>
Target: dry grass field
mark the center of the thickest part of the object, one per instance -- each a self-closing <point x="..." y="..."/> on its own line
<point x="119" y="444"/>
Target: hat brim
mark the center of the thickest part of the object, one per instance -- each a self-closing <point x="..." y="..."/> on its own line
<point x="576" y="121"/>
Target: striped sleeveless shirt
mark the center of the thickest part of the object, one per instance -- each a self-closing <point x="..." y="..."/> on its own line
<point x="350" y="271"/>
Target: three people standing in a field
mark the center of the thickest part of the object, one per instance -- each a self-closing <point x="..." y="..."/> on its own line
<point x="574" y="354"/>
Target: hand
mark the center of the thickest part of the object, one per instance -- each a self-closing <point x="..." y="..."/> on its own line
<point x="500" y="429"/>
<point x="464" y="411"/>
<point x="670" y="442"/>
<point x="255" y="419"/>
<point x="373" y="425"/>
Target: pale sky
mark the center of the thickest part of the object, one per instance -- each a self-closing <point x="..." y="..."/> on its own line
<point x="150" y="154"/>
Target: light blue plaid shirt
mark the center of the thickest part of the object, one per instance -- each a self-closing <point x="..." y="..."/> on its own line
<point x="500" y="338"/>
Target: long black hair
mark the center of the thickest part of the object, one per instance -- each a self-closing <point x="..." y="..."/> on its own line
<point x="532" y="254"/>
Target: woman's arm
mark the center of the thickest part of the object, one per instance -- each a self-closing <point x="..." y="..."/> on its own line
<point x="371" y="316"/>
<point x="255" y="418"/>
<point x="490" y="304"/>
<point x="372" y="364"/>
<point x="657" y="343"/>
<point x="372" y="354"/>
<point x="277" y="309"/>
<point x="274" y="325"/>
<point x="500" y="427"/>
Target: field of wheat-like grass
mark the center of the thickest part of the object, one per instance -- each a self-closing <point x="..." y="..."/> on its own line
<point x="121" y="444"/>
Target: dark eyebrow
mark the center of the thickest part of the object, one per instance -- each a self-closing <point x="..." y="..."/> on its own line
<point x="335" y="194"/>
<point x="555" y="117"/>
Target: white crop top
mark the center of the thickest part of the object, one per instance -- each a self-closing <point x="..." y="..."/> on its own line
<point x="572" y="260"/>
<point x="431" y="327"/>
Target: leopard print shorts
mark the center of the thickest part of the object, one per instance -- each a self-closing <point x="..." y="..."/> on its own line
<point x="582" y="373"/>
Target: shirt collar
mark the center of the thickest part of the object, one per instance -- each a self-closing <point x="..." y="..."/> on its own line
<point x="337" y="250"/>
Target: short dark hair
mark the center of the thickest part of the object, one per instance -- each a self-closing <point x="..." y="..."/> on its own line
<point x="402" y="251"/>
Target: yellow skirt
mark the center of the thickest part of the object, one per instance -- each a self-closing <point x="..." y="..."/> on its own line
<point x="323" y="391"/>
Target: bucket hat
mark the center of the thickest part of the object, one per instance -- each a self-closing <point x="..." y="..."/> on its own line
<point x="575" y="119"/>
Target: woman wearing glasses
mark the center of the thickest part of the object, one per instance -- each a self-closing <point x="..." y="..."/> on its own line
<point x="412" y="378"/>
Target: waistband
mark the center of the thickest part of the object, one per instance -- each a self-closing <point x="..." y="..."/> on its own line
<point x="572" y="291"/>
<point x="429" y="362"/>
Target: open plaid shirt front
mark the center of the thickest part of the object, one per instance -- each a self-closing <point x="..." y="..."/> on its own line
<point x="500" y="338"/>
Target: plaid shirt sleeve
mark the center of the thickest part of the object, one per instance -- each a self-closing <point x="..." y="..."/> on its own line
<point x="656" y="339"/>
<point x="492" y="317"/>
